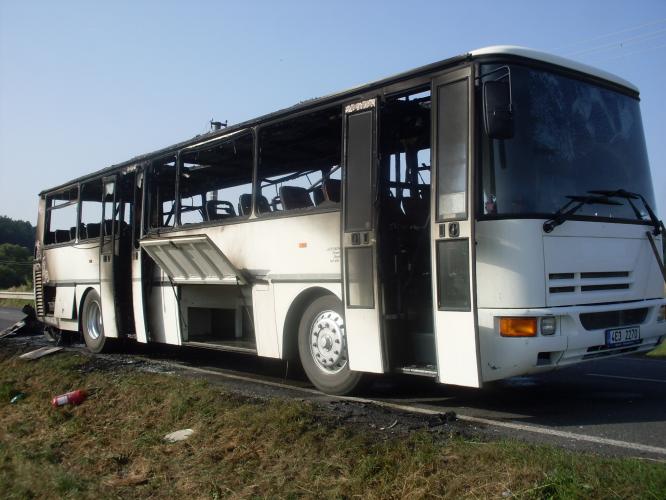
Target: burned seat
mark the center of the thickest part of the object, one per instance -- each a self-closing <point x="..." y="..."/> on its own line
<point x="293" y="197"/>
<point x="213" y="208"/>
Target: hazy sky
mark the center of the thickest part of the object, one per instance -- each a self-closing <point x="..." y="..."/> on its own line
<point x="84" y="85"/>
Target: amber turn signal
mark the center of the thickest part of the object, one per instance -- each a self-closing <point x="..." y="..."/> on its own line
<point x="518" y="327"/>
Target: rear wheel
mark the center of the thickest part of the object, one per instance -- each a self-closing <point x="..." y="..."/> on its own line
<point x="92" y="326"/>
<point x="322" y="346"/>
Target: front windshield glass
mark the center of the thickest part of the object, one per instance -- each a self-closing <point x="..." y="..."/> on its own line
<point x="570" y="137"/>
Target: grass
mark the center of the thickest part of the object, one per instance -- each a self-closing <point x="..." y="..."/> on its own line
<point x="111" y="446"/>
<point x="659" y="351"/>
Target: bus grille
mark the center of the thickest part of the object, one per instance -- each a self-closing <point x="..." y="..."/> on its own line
<point x="39" y="289"/>
<point x="588" y="282"/>
<point x="610" y="319"/>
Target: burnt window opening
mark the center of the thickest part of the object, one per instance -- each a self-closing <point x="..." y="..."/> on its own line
<point x="91" y="209"/>
<point x="216" y="183"/>
<point x="299" y="163"/>
<point x="61" y="216"/>
<point x="162" y="193"/>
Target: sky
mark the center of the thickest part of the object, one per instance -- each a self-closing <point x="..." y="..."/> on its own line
<point x="84" y="85"/>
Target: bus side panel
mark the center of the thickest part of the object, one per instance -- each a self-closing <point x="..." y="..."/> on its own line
<point x="67" y="272"/>
<point x="137" y="299"/>
<point x="164" y="319"/>
<point x="265" y="327"/>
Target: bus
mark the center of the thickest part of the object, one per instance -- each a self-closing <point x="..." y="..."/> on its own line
<point x="483" y="217"/>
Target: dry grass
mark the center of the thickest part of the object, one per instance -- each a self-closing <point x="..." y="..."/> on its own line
<point x="111" y="447"/>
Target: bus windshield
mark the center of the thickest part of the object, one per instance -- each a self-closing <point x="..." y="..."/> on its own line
<point x="570" y="137"/>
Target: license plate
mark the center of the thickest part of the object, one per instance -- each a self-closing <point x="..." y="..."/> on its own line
<point x="619" y="337"/>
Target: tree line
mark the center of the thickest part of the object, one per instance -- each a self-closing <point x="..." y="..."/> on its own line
<point x="17" y="239"/>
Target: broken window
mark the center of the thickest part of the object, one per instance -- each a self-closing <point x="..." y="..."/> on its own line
<point x="162" y="193"/>
<point x="61" y="216"/>
<point x="299" y="166"/>
<point x="91" y="210"/>
<point x="216" y="182"/>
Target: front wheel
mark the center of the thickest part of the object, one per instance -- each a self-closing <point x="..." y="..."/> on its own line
<point x="92" y="326"/>
<point x="322" y="346"/>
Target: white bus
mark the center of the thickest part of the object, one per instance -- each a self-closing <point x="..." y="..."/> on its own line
<point x="475" y="219"/>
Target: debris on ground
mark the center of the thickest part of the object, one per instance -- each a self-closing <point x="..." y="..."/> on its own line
<point x="18" y="397"/>
<point x="180" y="435"/>
<point x="40" y="353"/>
<point x="70" y="398"/>
<point x="442" y="419"/>
<point x="29" y="324"/>
<point x="395" y="422"/>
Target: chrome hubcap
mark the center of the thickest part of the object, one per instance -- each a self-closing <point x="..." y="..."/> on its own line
<point x="94" y="321"/>
<point x="327" y="342"/>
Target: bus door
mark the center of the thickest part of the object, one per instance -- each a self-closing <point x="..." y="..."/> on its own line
<point x="359" y="243"/>
<point x="108" y="256"/>
<point x="452" y="230"/>
<point x="141" y="263"/>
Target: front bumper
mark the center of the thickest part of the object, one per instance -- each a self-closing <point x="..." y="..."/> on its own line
<point x="503" y="357"/>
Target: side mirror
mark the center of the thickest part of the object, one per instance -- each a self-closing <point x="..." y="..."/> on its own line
<point x="498" y="115"/>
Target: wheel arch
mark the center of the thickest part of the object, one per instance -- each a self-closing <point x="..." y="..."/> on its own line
<point x="293" y="318"/>
<point x="81" y="301"/>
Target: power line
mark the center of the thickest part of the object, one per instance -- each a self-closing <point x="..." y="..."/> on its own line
<point x="632" y="53"/>
<point x="606" y="35"/>
<point x="619" y="44"/>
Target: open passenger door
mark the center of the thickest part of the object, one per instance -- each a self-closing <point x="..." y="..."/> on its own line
<point x="359" y="238"/>
<point x="452" y="230"/>
<point x="108" y="259"/>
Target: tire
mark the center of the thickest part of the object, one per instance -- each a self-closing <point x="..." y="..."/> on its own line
<point x="326" y="367"/>
<point x="92" y="326"/>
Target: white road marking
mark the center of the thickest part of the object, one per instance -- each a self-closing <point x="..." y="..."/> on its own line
<point x="427" y="411"/>
<point x="620" y="359"/>
<point x="640" y="379"/>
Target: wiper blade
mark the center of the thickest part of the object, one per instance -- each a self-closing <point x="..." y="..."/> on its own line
<point x="621" y="193"/>
<point x="572" y="206"/>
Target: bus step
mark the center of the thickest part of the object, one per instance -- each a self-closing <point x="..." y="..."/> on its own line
<point x="225" y="345"/>
<point x="421" y="370"/>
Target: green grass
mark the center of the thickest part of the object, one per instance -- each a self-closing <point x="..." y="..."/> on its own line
<point x="111" y="446"/>
<point x="659" y="351"/>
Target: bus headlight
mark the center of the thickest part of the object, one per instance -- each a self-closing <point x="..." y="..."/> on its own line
<point x="548" y="325"/>
<point x="518" y="327"/>
<point x="661" y="316"/>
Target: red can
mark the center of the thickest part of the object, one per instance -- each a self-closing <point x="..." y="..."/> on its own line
<point x="70" y="398"/>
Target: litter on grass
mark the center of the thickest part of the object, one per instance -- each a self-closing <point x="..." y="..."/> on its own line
<point x="180" y="435"/>
<point x="18" y="397"/>
<point x="40" y="353"/>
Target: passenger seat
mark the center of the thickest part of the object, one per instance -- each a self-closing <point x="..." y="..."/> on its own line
<point x="293" y="197"/>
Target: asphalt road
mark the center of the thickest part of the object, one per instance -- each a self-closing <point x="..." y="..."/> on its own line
<point x="615" y="406"/>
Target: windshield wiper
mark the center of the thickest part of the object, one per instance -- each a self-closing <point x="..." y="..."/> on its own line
<point x="654" y="220"/>
<point x="626" y="195"/>
<point x="575" y="202"/>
